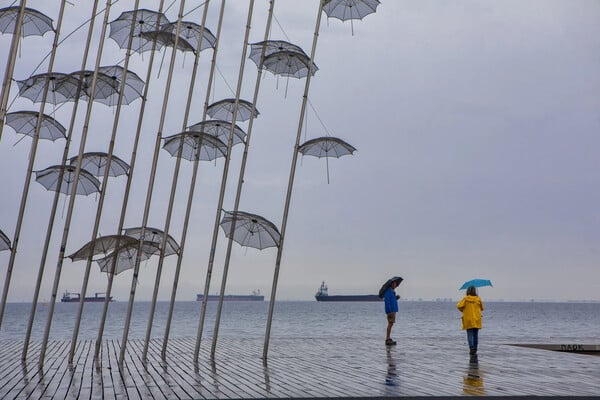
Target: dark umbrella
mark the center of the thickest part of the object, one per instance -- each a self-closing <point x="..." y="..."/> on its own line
<point x="195" y="145"/>
<point x="144" y="21"/>
<point x="34" y="22"/>
<point x="33" y="88"/>
<point x="102" y="245"/>
<point x="24" y="122"/>
<point x="326" y="146"/>
<point x="223" y="109"/>
<point x="126" y="257"/>
<point x="95" y="163"/>
<point x="250" y="230"/>
<point x="388" y="283"/>
<point x="49" y="178"/>
<point x="349" y="9"/>
<point x="78" y="85"/>
<point x="4" y="241"/>
<point x="289" y="63"/>
<point x="66" y="87"/>
<point x="270" y="47"/>
<point x="165" y="38"/>
<point x="190" y="32"/>
<point x="220" y="129"/>
<point x="156" y="236"/>
<point x="134" y="85"/>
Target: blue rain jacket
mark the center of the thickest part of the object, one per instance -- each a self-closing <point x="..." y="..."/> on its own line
<point x="391" y="303"/>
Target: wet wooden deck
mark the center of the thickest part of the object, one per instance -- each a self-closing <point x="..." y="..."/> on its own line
<point x="296" y="368"/>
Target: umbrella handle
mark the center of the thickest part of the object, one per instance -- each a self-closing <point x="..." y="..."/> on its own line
<point x="327" y="163"/>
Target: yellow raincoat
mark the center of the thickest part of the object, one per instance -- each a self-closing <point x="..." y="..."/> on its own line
<point x="471" y="308"/>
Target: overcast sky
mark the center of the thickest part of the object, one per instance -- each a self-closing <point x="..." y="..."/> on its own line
<point x="477" y="125"/>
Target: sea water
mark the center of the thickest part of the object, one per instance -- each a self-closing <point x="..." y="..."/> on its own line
<point x="502" y="321"/>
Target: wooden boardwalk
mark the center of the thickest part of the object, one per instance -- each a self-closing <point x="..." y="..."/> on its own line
<point x="296" y="368"/>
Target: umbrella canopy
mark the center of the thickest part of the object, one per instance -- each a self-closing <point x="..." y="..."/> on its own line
<point x="190" y="32"/>
<point x="126" y="257"/>
<point x="223" y="109"/>
<point x="220" y="129"/>
<point x="345" y="10"/>
<point x="78" y="84"/>
<point x="49" y="178"/>
<point x="156" y="236"/>
<point x="102" y="245"/>
<point x="34" y="22"/>
<point x="476" y="283"/>
<point x="289" y="63"/>
<point x="388" y="283"/>
<point x="166" y="38"/>
<point x="134" y="85"/>
<point x="95" y="163"/>
<point x="251" y="230"/>
<point x="4" y="241"/>
<point x="24" y="123"/>
<point x="189" y="143"/>
<point x="270" y="47"/>
<point x="143" y="20"/>
<point x="33" y="88"/>
<point x="326" y="147"/>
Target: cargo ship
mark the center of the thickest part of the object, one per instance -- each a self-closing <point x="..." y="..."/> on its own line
<point x="323" y="295"/>
<point x="75" y="297"/>
<point x="254" y="296"/>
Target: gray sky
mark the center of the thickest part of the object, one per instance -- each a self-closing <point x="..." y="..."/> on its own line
<point x="477" y="127"/>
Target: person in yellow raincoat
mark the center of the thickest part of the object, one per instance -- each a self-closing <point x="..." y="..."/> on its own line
<point x="471" y="307"/>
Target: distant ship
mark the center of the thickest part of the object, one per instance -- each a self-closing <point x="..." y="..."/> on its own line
<point x="323" y="295"/>
<point x="75" y="297"/>
<point x="255" y="296"/>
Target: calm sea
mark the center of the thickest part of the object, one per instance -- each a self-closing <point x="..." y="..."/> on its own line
<point x="503" y="321"/>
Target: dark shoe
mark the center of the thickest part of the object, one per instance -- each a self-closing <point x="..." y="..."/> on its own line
<point x="389" y="342"/>
<point x="472" y="352"/>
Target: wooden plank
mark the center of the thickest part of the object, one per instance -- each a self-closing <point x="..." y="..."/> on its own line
<point x="43" y="384"/>
<point x="156" y="382"/>
<point x="296" y="368"/>
<point x="10" y="375"/>
<point x="174" y="371"/>
<point x="105" y="387"/>
<point x="179" y="357"/>
<point x="126" y="386"/>
<point x="130" y="374"/>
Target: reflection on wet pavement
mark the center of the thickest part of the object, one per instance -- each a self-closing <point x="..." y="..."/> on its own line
<point x="391" y="378"/>
<point x="473" y="380"/>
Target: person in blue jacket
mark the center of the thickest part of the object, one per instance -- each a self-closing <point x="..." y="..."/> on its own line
<point x="390" y="299"/>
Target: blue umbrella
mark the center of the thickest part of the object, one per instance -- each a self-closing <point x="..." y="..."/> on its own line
<point x="476" y="283"/>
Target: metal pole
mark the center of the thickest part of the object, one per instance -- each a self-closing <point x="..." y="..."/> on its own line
<point x="174" y="186"/>
<point x="215" y="236"/>
<point x="105" y="178"/>
<point x="235" y="109"/>
<point x="72" y="197"/>
<point x="150" y="188"/>
<point x="241" y="179"/>
<point x="174" y="182"/>
<point x="57" y="194"/>
<point x="32" y="153"/>
<point x="192" y="187"/>
<point x="132" y="161"/>
<point x="10" y="67"/>
<point x="291" y="183"/>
